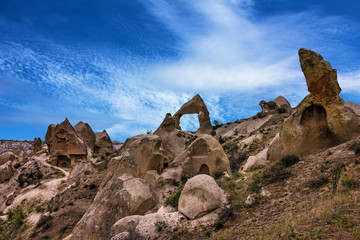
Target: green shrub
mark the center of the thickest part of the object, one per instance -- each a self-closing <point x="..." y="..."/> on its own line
<point x="173" y="200"/>
<point x="349" y="183"/>
<point x="19" y="217"/>
<point x="318" y="182"/>
<point x="45" y="223"/>
<point x="289" y="160"/>
<point x="335" y="175"/>
<point x="160" y="225"/>
<point x="218" y="174"/>
<point x="356" y="148"/>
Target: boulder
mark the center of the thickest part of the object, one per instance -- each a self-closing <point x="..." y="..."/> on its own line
<point x="268" y="106"/>
<point x="167" y="125"/>
<point x="195" y="105"/>
<point x="81" y="169"/>
<point x="204" y="156"/>
<point x="6" y="172"/>
<point x="66" y="148"/>
<point x="103" y="143"/>
<point x="84" y="131"/>
<point x="200" y="195"/>
<point x="281" y="102"/>
<point x="127" y="223"/>
<point x="354" y="106"/>
<point x="259" y="160"/>
<point x="120" y="197"/>
<point x="37" y="145"/>
<point x="7" y="156"/>
<point x="271" y="106"/>
<point x="321" y="120"/>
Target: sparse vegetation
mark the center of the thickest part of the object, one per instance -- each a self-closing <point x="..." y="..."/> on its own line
<point x="160" y="225"/>
<point x="318" y="182"/>
<point x="349" y="183"/>
<point x="173" y="200"/>
<point x="356" y="148"/>
<point x="218" y="174"/>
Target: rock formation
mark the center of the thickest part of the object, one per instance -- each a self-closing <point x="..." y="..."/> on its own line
<point x="37" y="145"/>
<point x="321" y="120"/>
<point x="124" y="196"/>
<point x="204" y="156"/>
<point x="278" y="103"/>
<point x="168" y="125"/>
<point x="200" y="196"/>
<point x="103" y="143"/>
<point x="64" y="145"/>
<point x="6" y="172"/>
<point x="195" y="105"/>
<point x="84" y="131"/>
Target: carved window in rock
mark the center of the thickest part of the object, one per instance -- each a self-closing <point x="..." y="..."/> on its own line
<point x="204" y="169"/>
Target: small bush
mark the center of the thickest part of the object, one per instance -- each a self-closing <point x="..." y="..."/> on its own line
<point x="225" y="215"/>
<point x="335" y="175"/>
<point x="260" y="115"/>
<point x="160" y="225"/>
<point x="173" y="200"/>
<point x="349" y="183"/>
<point x="289" y="160"/>
<point x="281" y="110"/>
<point x="318" y="182"/>
<point x="19" y="218"/>
<point x="45" y="223"/>
<point x="218" y="174"/>
<point x="356" y="148"/>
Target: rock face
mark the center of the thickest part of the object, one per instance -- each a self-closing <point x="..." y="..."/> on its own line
<point x="200" y="196"/>
<point x="81" y="169"/>
<point x="271" y="106"/>
<point x="7" y="156"/>
<point x="123" y="196"/>
<point x="321" y="78"/>
<point x="195" y="105"/>
<point x="103" y="143"/>
<point x="204" y="156"/>
<point x="37" y="145"/>
<point x="6" y="172"/>
<point x="321" y="120"/>
<point x="84" y="131"/>
<point x="168" y="125"/>
<point x="64" y="145"/>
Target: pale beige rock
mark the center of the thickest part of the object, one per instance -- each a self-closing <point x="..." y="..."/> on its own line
<point x="321" y="120"/>
<point x="103" y="143"/>
<point x="66" y="148"/>
<point x="126" y="224"/>
<point x="259" y="160"/>
<point x="84" y="131"/>
<point x="6" y="172"/>
<point x="81" y="169"/>
<point x="200" y="195"/>
<point x="37" y="145"/>
<point x="282" y="102"/>
<point x="7" y="156"/>
<point x="122" y="236"/>
<point x="120" y="197"/>
<point x="354" y="106"/>
<point x="167" y="125"/>
<point x="195" y="105"/>
<point x="204" y="156"/>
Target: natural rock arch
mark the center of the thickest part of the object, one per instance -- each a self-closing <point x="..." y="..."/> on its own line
<point x="195" y="106"/>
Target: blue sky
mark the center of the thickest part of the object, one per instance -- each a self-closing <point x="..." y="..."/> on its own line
<point x="122" y="65"/>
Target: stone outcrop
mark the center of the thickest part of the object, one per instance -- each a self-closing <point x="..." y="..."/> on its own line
<point x="321" y="78"/>
<point x="259" y="160"/>
<point x="120" y="197"/>
<point x="200" y="195"/>
<point x="84" y="131"/>
<point x="103" y="143"/>
<point x="168" y="125"/>
<point x="321" y="120"/>
<point x="204" y="156"/>
<point x="195" y="105"/>
<point x="66" y="148"/>
<point x="278" y="103"/>
<point x="7" y="156"/>
<point x="6" y="172"/>
<point x="81" y="169"/>
<point x="37" y="145"/>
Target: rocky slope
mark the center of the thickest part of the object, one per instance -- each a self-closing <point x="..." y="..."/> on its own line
<point x="285" y="173"/>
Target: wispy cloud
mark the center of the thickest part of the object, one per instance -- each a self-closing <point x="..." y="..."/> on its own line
<point x="225" y="51"/>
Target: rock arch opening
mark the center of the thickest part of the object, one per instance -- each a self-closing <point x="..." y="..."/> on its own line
<point x="189" y="122"/>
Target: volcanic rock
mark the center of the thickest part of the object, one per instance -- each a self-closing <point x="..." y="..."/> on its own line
<point x="200" y="195"/>
<point x="64" y="145"/>
<point x="195" y="105"/>
<point x="6" y="172"/>
<point x="37" y="145"/>
<point x="103" y="143"/>
<point x="84" y="131"/>
<point x="204" y="156"/>
<point x="123" y="196"/>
